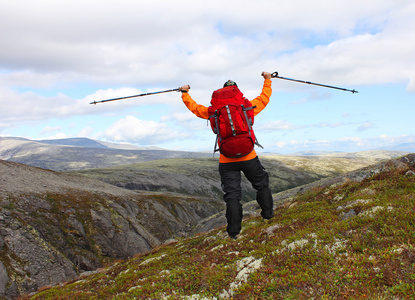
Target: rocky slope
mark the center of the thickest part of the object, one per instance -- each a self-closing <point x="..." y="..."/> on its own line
<point x="350" y="237"/>
<point x="54" y="226"/>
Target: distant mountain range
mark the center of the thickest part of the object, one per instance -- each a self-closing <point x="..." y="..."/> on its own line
<point x="407" y="147"/>
<point x="155" y="169"/>
<point x="84" y="153"/>
<point x="81" y="153"/>
<point x="89" y="143"/>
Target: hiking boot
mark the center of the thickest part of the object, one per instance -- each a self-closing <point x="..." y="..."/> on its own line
<point x="234" y="237"/>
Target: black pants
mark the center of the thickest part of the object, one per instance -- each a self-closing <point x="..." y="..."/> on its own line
<point x="230" y="174"/>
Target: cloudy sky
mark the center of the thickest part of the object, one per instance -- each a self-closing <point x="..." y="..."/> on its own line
<point x="58" y="56"/>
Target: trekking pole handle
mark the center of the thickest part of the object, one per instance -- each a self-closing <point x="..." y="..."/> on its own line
<point x="184" y="88"/>
<point x="274" y="75"/>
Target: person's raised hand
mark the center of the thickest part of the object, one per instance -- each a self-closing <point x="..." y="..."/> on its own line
<point x="185" y="88"/>
<point x="266" y="75"/>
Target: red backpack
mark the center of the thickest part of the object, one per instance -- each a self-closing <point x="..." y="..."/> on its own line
<point x="231" y="117"/>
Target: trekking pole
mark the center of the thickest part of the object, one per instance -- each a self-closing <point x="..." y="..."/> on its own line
<point x="146" y="94"/>
<point x="275" y="75"/>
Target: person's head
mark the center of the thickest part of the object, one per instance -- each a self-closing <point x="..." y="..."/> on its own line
<point x="230" y="83"/>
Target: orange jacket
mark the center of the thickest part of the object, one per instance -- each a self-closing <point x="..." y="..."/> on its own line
<point x="202" y="112"/>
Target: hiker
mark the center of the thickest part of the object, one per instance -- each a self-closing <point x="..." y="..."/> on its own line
<point x="233" y="161"/>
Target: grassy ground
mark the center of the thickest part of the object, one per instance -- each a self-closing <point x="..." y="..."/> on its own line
<point x="355" y="240"/>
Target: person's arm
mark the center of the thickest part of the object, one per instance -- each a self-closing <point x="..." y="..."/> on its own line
<point x="199" y="110"/>
<point x="262" y="100"/>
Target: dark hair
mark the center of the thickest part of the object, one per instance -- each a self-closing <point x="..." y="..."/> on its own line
<point x="229" y="83"/>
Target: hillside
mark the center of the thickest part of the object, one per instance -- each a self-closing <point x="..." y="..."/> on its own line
<point x="78" y="154"/>
<point x="348" y="238"/>
<point x="54" y="226"/>
<point x="200" y="176"/>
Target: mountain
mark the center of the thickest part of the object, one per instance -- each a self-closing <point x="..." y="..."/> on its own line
<point x="378" y="154"/>
<point x="88" y="143"/>
<point x="407" y="147"/>
<point x="80" y="154"/>
<point x="77" y="142"/>
<point x="349" y="237"/>
<point x="83" y="153"/>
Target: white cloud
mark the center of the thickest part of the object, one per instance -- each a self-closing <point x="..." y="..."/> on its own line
<point x="365" y="126"/>
<point x="277" y="125"/>
<point x="30" y="106"/>
<point x="188" y="121"/>
<point x="85" y="132"/>
<point x="58" y="135"/>
<point x="180" y="117"/>
<point x="131" y="129"/>
<point x="344" y="144"/>
<point x="387" y="140"/>
<point x="49" y="129"/>
<point x="115" y="48"/>
<point x="411" y="85"/>
<point x="329" y="125"/>
<point x="284" y="125"/>
<point x="113" y="43"/>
